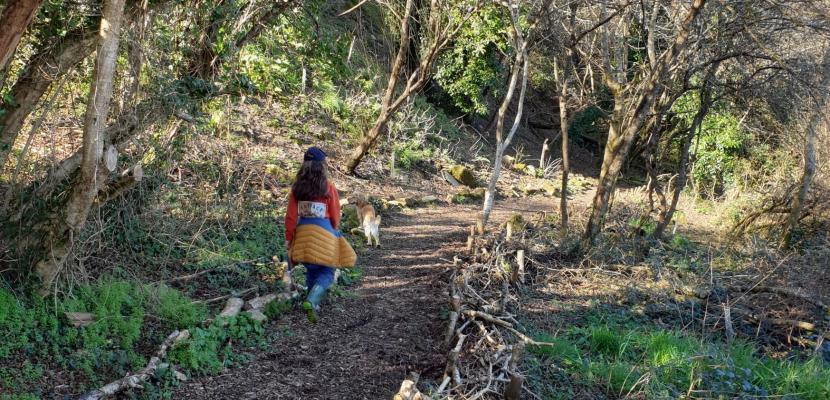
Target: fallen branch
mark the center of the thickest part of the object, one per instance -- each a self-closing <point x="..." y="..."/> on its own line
<point x="452" y="360"/>
<point x="488" y="318"/>
<point x="136" y="379"/>
<point x="782" y="291"/>
<point x="225" y="297"/>
<point x="780" y="322"/>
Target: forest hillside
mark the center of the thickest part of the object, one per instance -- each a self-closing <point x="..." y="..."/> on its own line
<point x="575" y="199"/>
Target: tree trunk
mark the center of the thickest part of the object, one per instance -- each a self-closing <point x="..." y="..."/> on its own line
<point x="381" y="122"/>
<point x="48" y="65"/>
<point x="94" y="167"/>
<point x="519" y="66"/>
<point x="626" y="125"/>
<point x="202" y="64"/>
<point x="682" y="168"/>
<point x="817" y="120"/>
<point x="651" y="169"/>
<point x="412" y="60"/>
<point x="14" y="20"/>
<point x="563" y="130"/>
<point x="616" y="148"/>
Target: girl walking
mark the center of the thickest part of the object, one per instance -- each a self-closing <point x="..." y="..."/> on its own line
<point x="311" y="234"/>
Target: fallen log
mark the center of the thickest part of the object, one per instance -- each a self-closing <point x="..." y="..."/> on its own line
<point x="232" y="307"/>
<point x="257" y="315"/>
<point x="260" y="301"/>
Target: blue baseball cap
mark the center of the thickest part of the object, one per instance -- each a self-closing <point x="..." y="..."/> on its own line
<point x="314" y="154"/>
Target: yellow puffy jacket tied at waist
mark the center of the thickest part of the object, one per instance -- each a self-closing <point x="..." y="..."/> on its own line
<point x="316" y="242"/>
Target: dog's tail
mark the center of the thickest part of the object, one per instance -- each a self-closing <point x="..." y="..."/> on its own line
<point x="377" y="220"/>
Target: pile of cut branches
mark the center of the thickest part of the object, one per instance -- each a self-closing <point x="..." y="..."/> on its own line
<point x="483" y="340"/>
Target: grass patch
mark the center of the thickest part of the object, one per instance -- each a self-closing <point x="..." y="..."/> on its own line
<point x="657" y="363"/>
<point x="177" y="310"/>
<point x="35" y="336"/>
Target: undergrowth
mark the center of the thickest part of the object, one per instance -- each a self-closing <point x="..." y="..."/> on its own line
<point x="36" y="336"/>
<point x="209" y="349"/>
<point x="631" y="360"/>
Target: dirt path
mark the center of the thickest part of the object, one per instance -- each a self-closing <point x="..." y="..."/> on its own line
<point x="367" y="342"/>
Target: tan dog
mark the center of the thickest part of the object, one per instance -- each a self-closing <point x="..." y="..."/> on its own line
<point x="369" y="220"/>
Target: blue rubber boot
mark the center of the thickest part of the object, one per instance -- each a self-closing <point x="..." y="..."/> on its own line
<point x="312" y="303"/>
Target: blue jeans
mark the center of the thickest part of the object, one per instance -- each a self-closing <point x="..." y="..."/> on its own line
<point x="318" y="278"/>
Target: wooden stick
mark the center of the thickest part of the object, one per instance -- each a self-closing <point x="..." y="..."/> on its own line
<point x="352" y="9"/>
<point x="488" y="318"/>
<point x="727" y="321"/>
<point x="514" y="388"/>
<point x="452" y="359"/>
<point x="78" y="319"/>
<point x="225" y="297"/>
<point x="441" y="387"/>
<point x="451" y="327"/>
<point x="520" y="262"/>
<point x="206" y="271"/>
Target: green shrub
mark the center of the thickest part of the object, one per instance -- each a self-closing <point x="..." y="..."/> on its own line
<point x="15" y="321"/>
<point x="350" y="276"/>
<point x="332" y="104"/>
<point x="118" y="307"/>
<point x="276" y="308"/>
<point x="201" y="353"/>
<point x="472" y="68"/>
<point x="177" y="310"/>
<point x="409" y="154"/>
<point x="207" y="350"/>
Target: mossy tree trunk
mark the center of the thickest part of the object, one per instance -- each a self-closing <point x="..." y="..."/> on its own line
<point x="97" y="160"/>
<point x="380" y="125"/>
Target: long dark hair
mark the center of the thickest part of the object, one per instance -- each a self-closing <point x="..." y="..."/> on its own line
<point x="311" y="182"/>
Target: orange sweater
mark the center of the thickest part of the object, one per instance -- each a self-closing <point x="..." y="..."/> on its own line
<point x="332" y="201"/>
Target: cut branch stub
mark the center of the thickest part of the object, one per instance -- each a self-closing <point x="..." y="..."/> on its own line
<point x="111" y="158"/>
<point x="79" y="319"/>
